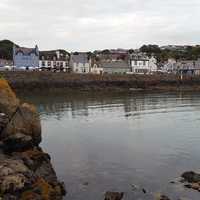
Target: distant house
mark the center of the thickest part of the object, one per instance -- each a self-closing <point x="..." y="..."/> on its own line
<point x="117" y="67"/>
<point x="26" y="57"/>
<point x="80" y="62"/>
<point x="170" y="66"/>
<point x="188" y="67"/>
<point x="58" y="59"/>
<point x="197" y="67"/>
<point x="142" y="64"/>
<point x="183" y="67"/>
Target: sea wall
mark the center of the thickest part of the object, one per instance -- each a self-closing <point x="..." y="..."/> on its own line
<point x="43" y="80"/>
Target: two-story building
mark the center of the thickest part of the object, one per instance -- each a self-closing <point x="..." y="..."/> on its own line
<point x="142" y="64"/>
<point x="80" y="62"/>
<point x="169" y="66"/>
<point x="26" y="57"/>
<point x="58" y="59"/>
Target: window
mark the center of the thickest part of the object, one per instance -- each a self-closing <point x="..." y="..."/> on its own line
<point x="49" y="63"/>
<point x="20" y="54"/>
<point x="144" y="62"/>
<point x="43" y="63"/>
<point x="135" y="62"/>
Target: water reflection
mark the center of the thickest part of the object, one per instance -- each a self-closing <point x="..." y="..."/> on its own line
<point x="114" y="140"/>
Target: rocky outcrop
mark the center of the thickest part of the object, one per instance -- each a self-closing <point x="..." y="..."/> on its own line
<point x="17" y="117"/>
<point x="114" y="196"/>
<point x="161" y="197"/>
<point x="191" y="180"/>
<point x="26" y="172"/>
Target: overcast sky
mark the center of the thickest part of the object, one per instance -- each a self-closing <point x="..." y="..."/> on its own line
<point x="99" y="24"/>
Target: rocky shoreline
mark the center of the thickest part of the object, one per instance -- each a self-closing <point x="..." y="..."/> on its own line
<point x="26" y="172"/>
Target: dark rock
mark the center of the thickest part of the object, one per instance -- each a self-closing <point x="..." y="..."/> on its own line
<point x="163" y="197"/>
<point x="114" y="196"/>
<point x="188" y="186"/>
<point x="14" y="176"/>
<point x="9" y="197"/>
<point x="85" y="183"/>
<point x="62" y="187"/>
<point x="144" y="191"/>
<point x="17" y="142"/>
<point x="172" y="182"/>
<point x="35" y="158"/>
<point x="191" y="177"/>
<point x="46" y="171"/>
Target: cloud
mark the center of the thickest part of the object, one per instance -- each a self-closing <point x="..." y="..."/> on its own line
<point x="99" y="24"/>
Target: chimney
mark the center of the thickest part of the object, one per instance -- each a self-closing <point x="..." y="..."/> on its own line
<point x="58" y="54"/>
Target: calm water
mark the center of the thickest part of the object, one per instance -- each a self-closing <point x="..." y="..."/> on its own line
<point x="109" y="142"/>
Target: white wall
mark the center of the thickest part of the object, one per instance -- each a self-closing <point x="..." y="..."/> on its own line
<point x="81" y="68"/>
<point x="139" y="66"/>
<point x="52" y="63"/>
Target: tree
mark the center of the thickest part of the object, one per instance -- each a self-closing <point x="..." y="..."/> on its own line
<point x="106" y="51"/>
<point x="150" y="49"/>
<point x="6" y="49"/>
<point x="131" y="51"/>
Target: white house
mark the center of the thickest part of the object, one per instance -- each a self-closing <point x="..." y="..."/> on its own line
<point x="170" y="66"/>
<point x="54" y="60"/>
<point x="142" y="64"/>
<point x="80" y="62"/>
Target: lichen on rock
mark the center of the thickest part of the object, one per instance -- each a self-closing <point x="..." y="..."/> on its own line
<point x="25" y="170"/>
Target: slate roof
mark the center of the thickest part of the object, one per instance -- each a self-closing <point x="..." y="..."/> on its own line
<point x="51" y="55"/>
<point x="26" y="51"/>
<point x="139" y="56"/>
<point x="80" y="58"/>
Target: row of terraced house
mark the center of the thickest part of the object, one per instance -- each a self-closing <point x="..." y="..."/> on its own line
<point x="108" y="61"/>
<point x="114" y="61"/>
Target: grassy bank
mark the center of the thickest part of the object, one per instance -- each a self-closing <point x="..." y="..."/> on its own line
<point x="48" y="80"/>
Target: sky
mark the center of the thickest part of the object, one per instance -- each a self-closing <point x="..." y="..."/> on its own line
<point x="85" y="25"/>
